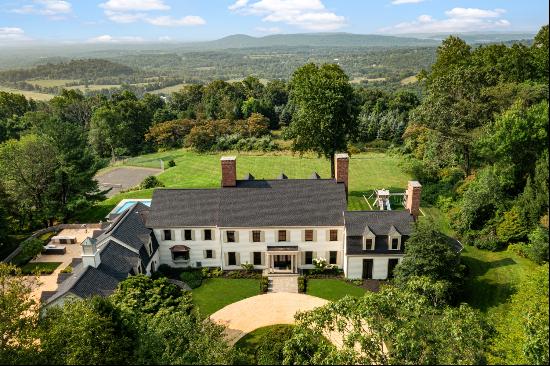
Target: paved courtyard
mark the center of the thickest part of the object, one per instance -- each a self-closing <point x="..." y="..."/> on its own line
<point x="122" y="178"/>
<point x="244" y="316"/>
<point x="49" y="282"/>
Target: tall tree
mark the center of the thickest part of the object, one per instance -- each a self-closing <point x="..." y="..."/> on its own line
<point x="325" y="115"/>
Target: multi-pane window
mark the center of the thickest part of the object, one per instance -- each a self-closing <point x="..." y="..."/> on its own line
<point x="257" y="258"/>
<point x="208" y="234"/>
<point x="309" y="235"/>
<point x="332" y="257"/>
<point x="368" y="244"/>
<point x="187" y="235"/>
<point x="256" y="236"/>
<point x="180" y="256"/>
<point x="232" y="259"/>
<point x="282" y="235"/>
<point x="209" y="253"/>
<point x="230" y="236"/>
<point x="309" y="258"/>
<point x="167" y="234"/>
<point x="395" y="243"/>
<point x="333" y="235"/>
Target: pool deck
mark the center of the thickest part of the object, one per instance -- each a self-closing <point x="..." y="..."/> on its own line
<point x="127" y="200"/>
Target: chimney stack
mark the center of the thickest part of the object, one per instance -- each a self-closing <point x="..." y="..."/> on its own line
<point x="229" y="171"/>
<point x="414" y="191"/>
<point x="341" y="167"/>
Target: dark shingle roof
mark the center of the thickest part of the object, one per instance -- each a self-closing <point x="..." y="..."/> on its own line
<point x="130" y="229"/>
<point x="380" y="222"/>
<point x="252" y="203"/>
<point x="118" y="261"/>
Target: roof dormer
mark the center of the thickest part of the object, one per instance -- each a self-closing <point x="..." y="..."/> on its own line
<point x="394" y="239"/>
<point x="369" y="239"/>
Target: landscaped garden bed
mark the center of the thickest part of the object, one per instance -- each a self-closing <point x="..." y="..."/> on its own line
<point x="42" y="268"/>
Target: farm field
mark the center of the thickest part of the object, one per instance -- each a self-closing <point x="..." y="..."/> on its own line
<point x="169" y="89"/>
<point x="49" y="83"/>
<point x="409" y="80"/>
<point x="94" y="87"/>
<point x="358" y="80"/>
<point x="28" y="94"/>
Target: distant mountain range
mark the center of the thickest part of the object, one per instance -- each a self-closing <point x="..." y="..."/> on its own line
<point x="348" y="40"/>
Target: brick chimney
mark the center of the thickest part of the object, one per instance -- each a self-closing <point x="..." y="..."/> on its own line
<point x="341" y="169"/>
<point x="229" y="171"/>
<point x="414" y="191"/>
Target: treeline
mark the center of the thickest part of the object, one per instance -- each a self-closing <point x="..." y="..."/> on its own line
<point x="479" y="142"/>
<point x="74" y="69"/>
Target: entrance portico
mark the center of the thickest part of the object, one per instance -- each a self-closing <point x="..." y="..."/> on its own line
<point x="282" y="259"/>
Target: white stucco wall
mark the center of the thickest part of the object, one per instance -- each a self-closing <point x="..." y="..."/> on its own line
<point x="379" y="269"/>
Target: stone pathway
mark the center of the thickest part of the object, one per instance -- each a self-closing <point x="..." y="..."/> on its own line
<point x="244" y="316"/>
<point x="283" y="284"/>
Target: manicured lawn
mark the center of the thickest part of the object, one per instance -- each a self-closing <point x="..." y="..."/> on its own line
<point x="44" y="268"/>
<point x="216" y="293"/>
<point x="368" y="171"/>
<point x="332" y="289"/>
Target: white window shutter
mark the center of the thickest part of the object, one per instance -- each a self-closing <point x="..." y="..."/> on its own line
<point x="236" y="236"/>
<point x="262" y="256"/>
<point x="226" y="258"/>
<point x="314" y="235"/>
<point x="238" y="259"/>
<point x="303" y="238"/>
<point x="204" y="254"/>
<point x="224" y="236"/>
<point x="213" y="254"/>
<point x="202" y="235"/>
<point x="262" y="236"/>
<point x="250" y="235"/>
<point x="327" y="235"/>
<point x="192" y="235"/>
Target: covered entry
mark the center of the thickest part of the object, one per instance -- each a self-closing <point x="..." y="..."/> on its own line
<point x="282" y="259"/>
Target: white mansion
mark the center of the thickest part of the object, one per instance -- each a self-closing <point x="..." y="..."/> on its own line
<point x="278" y="225"/>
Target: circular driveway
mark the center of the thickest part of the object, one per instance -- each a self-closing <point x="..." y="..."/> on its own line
<point x="244" y="316"/>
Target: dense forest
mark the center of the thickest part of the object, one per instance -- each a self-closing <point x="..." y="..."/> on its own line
<point x="476" y="136"/>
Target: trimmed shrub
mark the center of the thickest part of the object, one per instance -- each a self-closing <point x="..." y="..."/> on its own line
<point x="171" y="164"/>
<point x="271" y="345"/>
<point x="243" y="274"/>
<point x="302" y="284"/>
<point x="68" y="269"/>
<point x="537" y="250"/>
<point x="211" y="272"/>
<point x="192" y="278"/>
<point x="264" y="284"/>
<point x="151" y="182"/>
<point x="247" y="266"/>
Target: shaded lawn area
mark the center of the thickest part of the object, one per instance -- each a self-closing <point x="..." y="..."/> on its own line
<point x="368" y="171"/>
<point x="332" y="289"/>
<point x="248" y="344"/>
<point x="216" y="293"/>
<point x="43" y="268"/>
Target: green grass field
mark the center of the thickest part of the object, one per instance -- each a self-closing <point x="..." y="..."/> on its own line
<point x="215" y="293"/>
<point x="48" y="83"/>
<point x="368" y="171"/>
<point x="332" y="289"/>
<point x="169" y="89"/>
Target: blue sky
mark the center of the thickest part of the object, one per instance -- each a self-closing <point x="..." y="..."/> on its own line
<point x="112" y="21"/>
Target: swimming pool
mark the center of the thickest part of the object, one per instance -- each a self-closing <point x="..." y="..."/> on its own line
<point x="125" y="204"/>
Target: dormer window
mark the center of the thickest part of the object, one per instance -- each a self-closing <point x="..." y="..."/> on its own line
<point x="369" y="244"/>
<point x="282" y="235"/>
<point x="394" y="239"/>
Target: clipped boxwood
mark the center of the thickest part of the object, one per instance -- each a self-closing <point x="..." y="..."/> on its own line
<point x="192" y="278"/>
<point x="264" y="284"/>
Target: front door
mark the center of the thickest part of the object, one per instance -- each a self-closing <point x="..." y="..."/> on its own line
<point x="367" y="268"/>
<point x="282" y="262"/>
<point x="391" y="266"/>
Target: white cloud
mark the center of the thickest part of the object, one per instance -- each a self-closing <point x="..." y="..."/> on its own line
<point x="134" y="5"/>
<point x="167" y="21"/>
<point x="239" y="4"/>
<point x="130" y="11"/>
<point x="110" y="39"/>
<point x="55" y="9"/>
<point x="306" y="14"/>
<point x="399" y="2"/>
<point x="10" y="34"/>
<point x="458" y="20"/>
